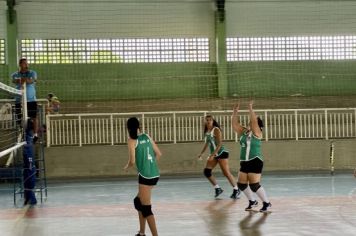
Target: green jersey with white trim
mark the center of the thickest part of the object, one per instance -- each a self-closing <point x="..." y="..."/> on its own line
<point x="211" y="141"/>
<point x="145" y="158"/>
<point x="250" y="147"/>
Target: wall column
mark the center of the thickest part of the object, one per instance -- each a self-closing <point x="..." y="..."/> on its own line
<point x="11" y="39"/>
<point x="220" y="37"/>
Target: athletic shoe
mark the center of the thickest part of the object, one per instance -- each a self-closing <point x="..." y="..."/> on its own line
<point x="138" y="234"/>
<point x="265" y="207"/>
<point x="235" y="194"/>
<point x="251" y="205"/>
<point x="218" y="191"/>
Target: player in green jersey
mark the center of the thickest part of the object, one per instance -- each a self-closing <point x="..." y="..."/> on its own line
<point x="218" y="155"/>
<point x="251" y="159"/>
<point x="143" y="152"/>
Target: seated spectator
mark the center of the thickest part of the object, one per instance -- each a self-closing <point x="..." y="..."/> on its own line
<point x="53" y="104"/>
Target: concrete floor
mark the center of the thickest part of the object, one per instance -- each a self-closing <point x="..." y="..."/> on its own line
<point x="302" y="205"/>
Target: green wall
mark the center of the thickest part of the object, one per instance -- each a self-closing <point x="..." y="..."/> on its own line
<point x="127" y="81"/>
<point x="305" y="78"/>
<point x="3" y="79"/>
<point x="91" y="82"/>
<point x="4" y="74"/>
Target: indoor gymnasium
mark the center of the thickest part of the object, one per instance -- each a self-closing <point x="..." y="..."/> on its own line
<point x="177" y="117"/>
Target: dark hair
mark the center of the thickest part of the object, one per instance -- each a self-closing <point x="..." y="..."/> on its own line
<point x="22" y="60"/>
<point x="132" y="125"/>
<point x="50" y="95"/>
<point x="260" y="123"/>
<point x="215" y="123"/>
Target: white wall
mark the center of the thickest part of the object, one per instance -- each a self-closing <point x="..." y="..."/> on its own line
<point x="286" y="18"/>
<point x="101" y="19"/>
<point x="3" y="19"/>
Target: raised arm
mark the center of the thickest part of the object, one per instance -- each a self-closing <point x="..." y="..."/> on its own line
<point x="131" y="143"/>
<point x="238" y="128"/>
<point x="254" y="123"/>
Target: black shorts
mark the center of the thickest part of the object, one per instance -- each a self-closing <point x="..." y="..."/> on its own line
<point x="31" y="110"/>
<point x="150" y="182"/>
<point x="253" y="166"/>
<point x="223" y="155"/>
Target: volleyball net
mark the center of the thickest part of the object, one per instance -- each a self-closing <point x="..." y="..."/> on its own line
<point x="137" y="56"/>
<point x="12" y="119"/>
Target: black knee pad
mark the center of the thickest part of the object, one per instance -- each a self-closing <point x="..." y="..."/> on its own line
<point x="137" y="203"/>
<point x="207" y="172"/>
<point x="254" y="187"/>
<point x="241" y="186"/>
<point x="146" y="210"/>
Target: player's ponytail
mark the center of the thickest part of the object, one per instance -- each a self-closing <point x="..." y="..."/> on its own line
<point x="260" y="123"/>
<point x="132" y="126"/>
<point x="216" y="124"/>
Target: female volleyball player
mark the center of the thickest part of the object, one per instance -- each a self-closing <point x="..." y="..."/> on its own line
<point x="218" y="155"/>
<point x="251" y="159"/>
<point x="144" y="152"/>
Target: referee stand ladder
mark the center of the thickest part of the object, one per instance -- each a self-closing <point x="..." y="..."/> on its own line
<point x="40" y="189"/>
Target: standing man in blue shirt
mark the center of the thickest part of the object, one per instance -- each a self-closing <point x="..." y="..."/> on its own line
<point x="24" y="75"/>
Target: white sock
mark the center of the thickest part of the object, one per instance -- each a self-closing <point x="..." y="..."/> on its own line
<point x="249" y="194"/>
<point x="261" y="193"/>
<point x="217" y="186"/>
<point x="235" y="187"/>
